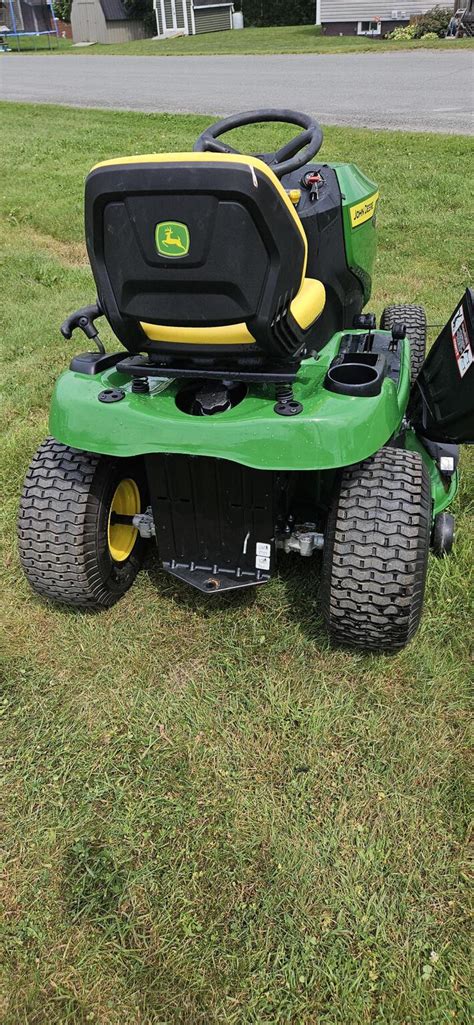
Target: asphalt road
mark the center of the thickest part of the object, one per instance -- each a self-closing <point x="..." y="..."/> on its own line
<point x="418" y="91"/>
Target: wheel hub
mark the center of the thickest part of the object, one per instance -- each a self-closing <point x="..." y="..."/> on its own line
<point x="121" y="535"/>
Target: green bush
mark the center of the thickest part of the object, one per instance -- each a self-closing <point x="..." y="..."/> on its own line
<point x="435" y="21"/>
<point x="432" y="25"/>
<point x="403" y="32"/>
<point x="62" y="10"/>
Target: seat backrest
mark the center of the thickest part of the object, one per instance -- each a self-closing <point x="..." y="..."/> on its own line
<point x="193" y="241"/>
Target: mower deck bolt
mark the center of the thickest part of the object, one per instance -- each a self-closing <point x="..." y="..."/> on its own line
<point x="288" y="407"/>
<point x="111" y="395"/>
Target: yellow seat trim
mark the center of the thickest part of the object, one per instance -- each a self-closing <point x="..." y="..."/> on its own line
<point x="229" y="334"/>
<point x="218" y="158"/>
<point x="308" y="305"/>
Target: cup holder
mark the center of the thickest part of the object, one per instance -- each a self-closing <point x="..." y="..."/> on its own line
<point x="356" y="373"/>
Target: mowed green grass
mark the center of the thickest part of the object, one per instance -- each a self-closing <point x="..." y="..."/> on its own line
<point x="211" y="816"/>
<point x="284" y="39"/>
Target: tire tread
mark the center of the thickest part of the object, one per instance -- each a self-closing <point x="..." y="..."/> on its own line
<point x="57" y="527"/>
<point x="415" y="319"/>
<point x="375" y="558"/>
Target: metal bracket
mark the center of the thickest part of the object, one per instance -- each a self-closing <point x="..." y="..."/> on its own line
<point x="304" y="540"/>
<point x="145" y="523"/>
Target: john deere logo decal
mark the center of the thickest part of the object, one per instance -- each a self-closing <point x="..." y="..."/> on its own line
<point x="172" y="238"/>
<point x="362" y="212"/>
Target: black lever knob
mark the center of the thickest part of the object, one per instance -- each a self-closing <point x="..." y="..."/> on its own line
<point x="84" y="320"/>
<point x="365" y="321"/>
<point x="399" y="332"/>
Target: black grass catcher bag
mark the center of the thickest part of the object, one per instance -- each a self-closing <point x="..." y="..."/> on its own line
<point x="442" y="402"/>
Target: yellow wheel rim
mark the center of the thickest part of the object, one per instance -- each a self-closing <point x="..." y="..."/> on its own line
<point x="122" y="536"/>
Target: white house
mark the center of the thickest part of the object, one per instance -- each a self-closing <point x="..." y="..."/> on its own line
<point x="191" y="17"/>
<point x="367" y="17"/>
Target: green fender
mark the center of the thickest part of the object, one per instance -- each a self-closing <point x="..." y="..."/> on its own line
<point x="332" y="431"/>
<point x="443" y="491"/>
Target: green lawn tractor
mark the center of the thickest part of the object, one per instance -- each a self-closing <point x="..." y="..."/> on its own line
<point x="255" y="412"/>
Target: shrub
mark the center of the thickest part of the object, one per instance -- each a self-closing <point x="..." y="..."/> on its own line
<point x="435" y="21"/>
<point x="432" y="25"/>
<point x="403" y="32"/>
<point x="62" y="10"/>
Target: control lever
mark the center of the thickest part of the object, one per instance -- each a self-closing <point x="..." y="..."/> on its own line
<point x="312" y="181"/>
<point x="84" y="319"/>
<point x="366" y="322"/>
<point x="399" y="332"/>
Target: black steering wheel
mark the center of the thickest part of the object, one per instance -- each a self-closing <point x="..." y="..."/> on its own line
<point x="290" y="157"/>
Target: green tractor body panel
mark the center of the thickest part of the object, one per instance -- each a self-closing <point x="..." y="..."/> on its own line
<point x="442" y="494"/>
<point x="333" y="430"/>
<point x="359" y="196"/>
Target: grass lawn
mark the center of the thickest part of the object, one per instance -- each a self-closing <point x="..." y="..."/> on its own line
<point x="286" y="39"/>
<point x="211" y="816"/>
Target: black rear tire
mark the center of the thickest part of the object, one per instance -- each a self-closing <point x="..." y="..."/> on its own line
<point x="442" y="538"/>
<point x="376" y="552"/>
<point x="63" y="526"/>
<point x="414" y="317"/>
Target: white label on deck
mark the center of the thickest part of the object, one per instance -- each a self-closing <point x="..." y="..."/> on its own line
<point x="264" y="551"/>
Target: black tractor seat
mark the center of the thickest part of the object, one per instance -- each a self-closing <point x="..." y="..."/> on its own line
<point x="200" y="259"/>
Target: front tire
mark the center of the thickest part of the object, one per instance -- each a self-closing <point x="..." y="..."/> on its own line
<point x="376" y="552"/>
<point x="70" y="549"/>
<point x="414" y="317"/>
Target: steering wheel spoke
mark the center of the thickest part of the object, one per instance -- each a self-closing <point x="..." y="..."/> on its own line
<point x="215" y="146"/>
<point x="292" y="147"/>
<point x="290" y="157"/>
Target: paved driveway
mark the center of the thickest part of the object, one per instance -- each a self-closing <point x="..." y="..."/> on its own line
<point x="421" y="91"/>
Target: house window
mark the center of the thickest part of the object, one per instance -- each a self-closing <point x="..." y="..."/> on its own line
<point x="369" y="28"/>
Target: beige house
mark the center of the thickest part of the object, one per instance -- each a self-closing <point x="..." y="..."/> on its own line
<point x="103" y="21"/>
